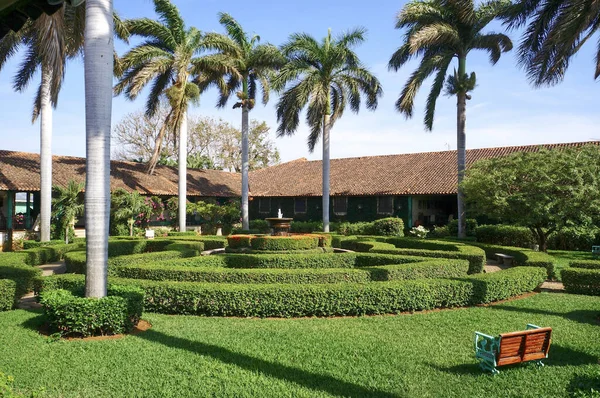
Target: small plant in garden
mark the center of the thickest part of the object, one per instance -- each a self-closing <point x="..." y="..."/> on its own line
<point x="419" y="232"/>
<point x="67" y="206"/>
<point x="7" y="389"/>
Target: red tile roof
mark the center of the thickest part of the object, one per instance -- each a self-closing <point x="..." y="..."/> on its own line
<point x="20" y="171"/>
<point x="430" y="173"/>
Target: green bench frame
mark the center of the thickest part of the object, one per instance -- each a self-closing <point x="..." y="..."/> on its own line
<point x="531" y="344"/>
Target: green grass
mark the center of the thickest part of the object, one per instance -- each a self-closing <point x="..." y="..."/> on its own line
<point x="419" y="355"/>
<point x="564" y="257"/>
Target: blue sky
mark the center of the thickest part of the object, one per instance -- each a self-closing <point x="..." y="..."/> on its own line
<point x="505" y="109"/>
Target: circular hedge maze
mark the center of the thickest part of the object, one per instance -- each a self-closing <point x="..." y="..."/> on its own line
<point x="300" y="275"/>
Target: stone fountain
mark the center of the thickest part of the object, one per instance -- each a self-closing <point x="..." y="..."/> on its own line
<point x="280" y="225"/>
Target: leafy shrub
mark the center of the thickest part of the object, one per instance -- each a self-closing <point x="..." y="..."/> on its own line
<point x="358" y="228"/>
<point x="12" y="267"/>
<point x="8" y="293"/>
<point x="505" y="235"/>
<point x="390" y="226"/>
<point x="439" y="232"/>
<point x="182" y="233"/>
<point x="581" y="280"/>
<point x="426" y="269"/>
<point x="262" y="226"/>
<point x="589" y="264"/>
<point x="116" y="313"/>
<point x="522" y="256"/>
<point x="197" y="247"/>
<point x="32" y="244"/>
<point x="471" y="227"/>
<point x="238" y="241"/>
<point x="283" y="243"/>
<point x="419" y="232"/>
<point x="574" y="238"/>
<point x="75" y="262"/>
<point x="306" y="227"/>
<point x="287" y="300"/>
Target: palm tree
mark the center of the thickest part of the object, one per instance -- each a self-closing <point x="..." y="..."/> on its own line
<point x="252" y="65"/>
<point x="49" y="41"/>
<point x="437" y="31"/>
<point x="554" y="33"/>
<point x="68" y="205"/>
<point x="128" y="206"/>
<point x="169" y="58"/>
<point x="324" y="77"/>
<point x="98" y="64"/>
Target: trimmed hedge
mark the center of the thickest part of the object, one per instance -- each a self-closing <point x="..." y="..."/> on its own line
<point x="69" y="314"/>
<point x="589" y="264"/>
<point x="581" y="280"/>
<point x="283" y="243"/>
<point x="239" y="241"/>
<point x="8" y="292"/>
<point x="32" y="244"/>
<point x="522" y="256"/>
<point x="75" y="262"/>
<point x="575" y="238"/>
<point x="505" y="235"/>
<point x="390" y="226"/>
<point x="336" y="299"/>
<point x="427" y="269"/>
<point x="419" y="247"/>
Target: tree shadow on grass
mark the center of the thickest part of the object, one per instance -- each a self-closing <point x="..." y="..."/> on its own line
<point x="314" y="381"/>
<point x="558" y="356"/>
<point x="34" y="323"/>
<point x="589" y="317"/>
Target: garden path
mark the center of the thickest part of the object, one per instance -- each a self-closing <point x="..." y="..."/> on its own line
<point x="28" y="301"/>
<point x="547" y="286"/>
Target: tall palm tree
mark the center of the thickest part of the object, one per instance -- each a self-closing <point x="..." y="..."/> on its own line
<point x="169" y="58"/>
<point x="437" y="31"/>
<point x="252" y="65"/>
<point x="49" y="41"/>
<point x="555" y="32"/>
<point x="324" y="77"/>
<point x="68" y="205"/>
<point x="98" y="65"/>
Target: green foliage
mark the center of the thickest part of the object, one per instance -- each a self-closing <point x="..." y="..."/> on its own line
<point x="288" y="300"/>
<point x="8" y="294"/>
<point x="391" y="226"/>
<point x="575" y="238"/>
<point x="7" y="389"/>
<point x="440" y="232"/>
<point x="32" y="244"/>
<point x="590" y="264"/>
<point x="581" y="280"/>
<point x="262" y="226"/>
<point x="522" y="256"/>
<point x="545" y="190"/>
<point x="71" y="315"/>
<point x="285" y="243"/>
<point x="307" y="227"/>
<point x="357" y="228"/>
<point x="67" y="206"/>
<point x="505" y="235"/>
<point x="132" y="208"/>
<point x="471" y="227"/>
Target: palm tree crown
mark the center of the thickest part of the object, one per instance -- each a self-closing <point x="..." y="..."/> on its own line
<point x="68" y="205"/>
<point x="325" y="76"/>
<point x="437" y="31"/>
<point x="555" y="31"/>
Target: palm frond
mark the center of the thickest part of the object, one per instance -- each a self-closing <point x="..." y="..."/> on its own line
<point x="436" y="89"/>
<point x="494" y="43"/>
<point x="234" y="30"/>
<point x="169" y="15"/>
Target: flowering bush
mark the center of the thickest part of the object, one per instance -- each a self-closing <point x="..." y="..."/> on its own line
<point x="419" y="232"/>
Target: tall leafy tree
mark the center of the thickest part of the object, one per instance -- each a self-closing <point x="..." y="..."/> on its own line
<point x="68" y="205"/>
<point x="322" y="76"/>
<point x="128" y="206"/>
<point x="554" y="32"/>
<point x="436" y="32"/>
<point x="170" y="58"/>
<point x="98" y="67"/>
<point x="253" y="64"/>
<point x="48" y="42"/>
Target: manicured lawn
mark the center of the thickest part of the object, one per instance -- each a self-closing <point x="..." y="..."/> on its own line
<point x="564" y="257"/>
<point x="420" y="355"/>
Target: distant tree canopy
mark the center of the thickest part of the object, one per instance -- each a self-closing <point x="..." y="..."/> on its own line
<point x="544" y="191"/>
<point x="212" y="143"/>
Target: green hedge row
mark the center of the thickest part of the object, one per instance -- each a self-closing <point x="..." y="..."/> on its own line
<point x="522" y="256"/>
<point x="590" y="264"/>
<point x="8" y="293"/>
<point x="505" y="235"/>
<point x="32" y="244"/>
<point x="419" y="247"/>
<point x="336" y="299"/>
<point x="581" y="280"/>
<point x="75" y="262"/>
<point x="70" y="314"/>
<point x="427" y="270"/>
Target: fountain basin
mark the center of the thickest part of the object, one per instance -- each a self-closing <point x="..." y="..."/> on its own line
<point x="280" y="226"/>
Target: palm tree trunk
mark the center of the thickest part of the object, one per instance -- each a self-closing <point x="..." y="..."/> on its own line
<point x="183" y="171"/>
<point x="98" y="63"/>
<point x="326" y="128"/>
<point x="245" y="169"/>
<point x="45" y="155"/>
<point x="158" y="145"/>
<point x="131" y="222"/>
<point x="461" y="141"/>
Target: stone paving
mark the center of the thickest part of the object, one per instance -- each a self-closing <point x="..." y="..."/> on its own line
<point x="28" y="301"/>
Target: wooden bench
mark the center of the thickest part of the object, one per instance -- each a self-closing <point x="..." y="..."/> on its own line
<point x="511" y="348"/>
<point x="596" y="250"/>
<point x="504" y="259"/>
